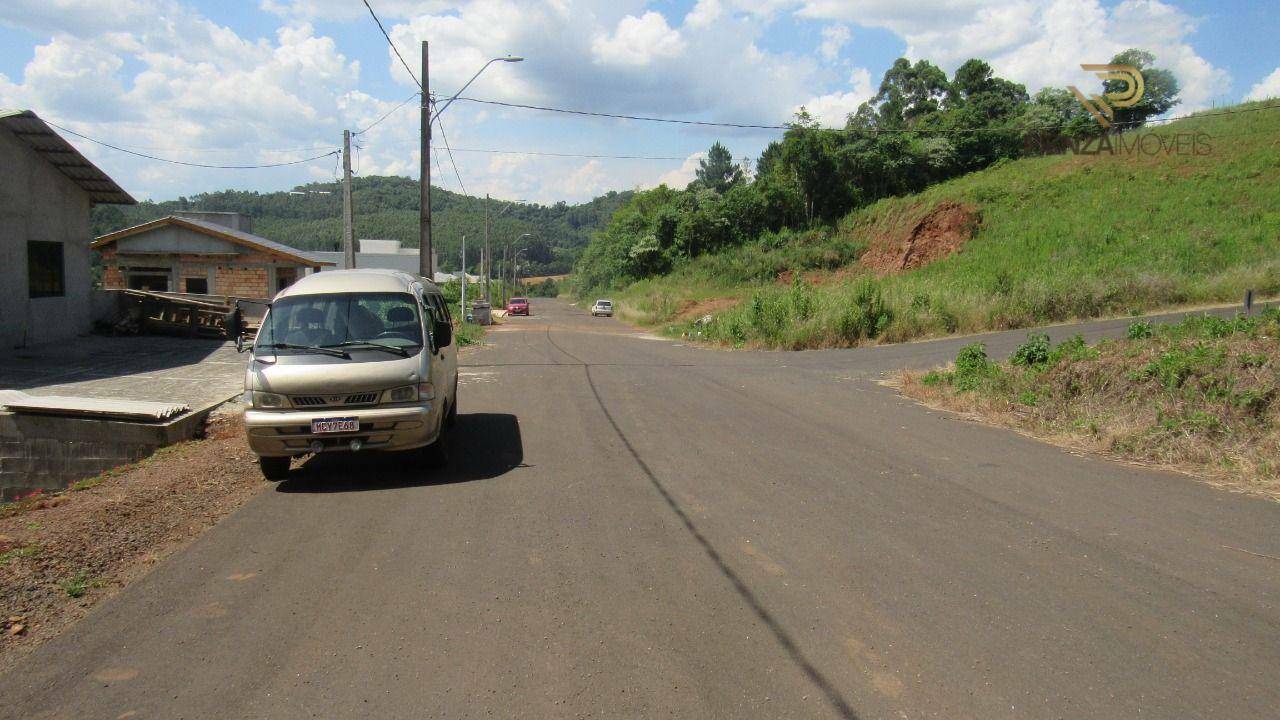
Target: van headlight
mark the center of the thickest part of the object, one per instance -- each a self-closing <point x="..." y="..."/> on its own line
<point x="267" y="400"/>
<point x="410" y="393"/>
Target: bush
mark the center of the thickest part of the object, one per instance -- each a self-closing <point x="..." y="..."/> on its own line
<point x="1074" y="349"/>
<point x="546" y="288"/>
<point x="866" y="316"/>
<point x="1033" y="353"/>
<point x="973" y="366"/>
<point x="1140" y="330"/>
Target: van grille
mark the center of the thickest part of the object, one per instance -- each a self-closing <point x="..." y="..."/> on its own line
<point x="364" y="398"/>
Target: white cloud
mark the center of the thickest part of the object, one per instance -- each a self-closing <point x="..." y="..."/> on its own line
<point x="834" y="37"/>
<point x="347" y="10"/>
<point x="1038" y="42"/>
<point x="609" y="56"/>
<point x="683" y="175"/>
<point x="638" y="41"/>
<point x="704" y="13"/>
<point x="163" y="79"/>
<point x="1268" y="88"/>
<point x="832" y="109"/>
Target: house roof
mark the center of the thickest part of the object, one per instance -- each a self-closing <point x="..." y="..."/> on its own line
<point x="33" y="131"/>
<point x="218" y="231"/>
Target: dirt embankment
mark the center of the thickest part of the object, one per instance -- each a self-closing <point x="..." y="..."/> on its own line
<point x="62" y="553"/>
<point x="903" y="243"/>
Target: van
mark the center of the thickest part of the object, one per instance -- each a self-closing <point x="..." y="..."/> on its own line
<point x="351" y="361"/>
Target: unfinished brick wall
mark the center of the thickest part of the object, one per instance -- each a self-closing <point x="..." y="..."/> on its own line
<point x="112" y="278"/>
<point x="250" y="282"/>
<point x="248" y="275"/>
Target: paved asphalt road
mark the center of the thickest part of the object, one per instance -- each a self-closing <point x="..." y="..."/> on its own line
<point x="630" y="528"/>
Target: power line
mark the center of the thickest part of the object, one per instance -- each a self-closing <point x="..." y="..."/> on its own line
<point x="393" y="45"/>
<point x="568" y="155"/>
<point x="623" y="117"/>
<point x="387" y="114"/>
<point x="920" y="131"/>
<point x="190" y="164"/>
<point x="452" y="162"/>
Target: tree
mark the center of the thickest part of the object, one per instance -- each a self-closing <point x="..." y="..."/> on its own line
<point x="718" y="171"/>
<point x="909" y="92"/>
<point x="1158" y="97"/>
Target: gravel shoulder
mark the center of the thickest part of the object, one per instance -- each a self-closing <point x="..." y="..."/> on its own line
<point x="61" y="554"/>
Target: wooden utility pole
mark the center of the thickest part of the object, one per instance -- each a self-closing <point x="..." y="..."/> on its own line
<point x="488" y="271"/>
<point x="348" y="223"/>
<point x="424" y="173"/>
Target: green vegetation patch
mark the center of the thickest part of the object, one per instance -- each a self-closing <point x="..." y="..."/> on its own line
<point x="1203" y="394"/>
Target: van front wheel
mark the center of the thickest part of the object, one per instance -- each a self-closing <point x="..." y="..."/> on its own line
<point x="274" y="468"/>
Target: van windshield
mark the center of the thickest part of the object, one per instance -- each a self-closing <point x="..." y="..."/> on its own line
<point x="342" y="319"/>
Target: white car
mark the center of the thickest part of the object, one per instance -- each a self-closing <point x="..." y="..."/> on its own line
<point x="351" y="360"/>
<point x="602" y="308"/>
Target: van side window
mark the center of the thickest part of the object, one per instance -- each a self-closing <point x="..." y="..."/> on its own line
<point x="444" y="307"/>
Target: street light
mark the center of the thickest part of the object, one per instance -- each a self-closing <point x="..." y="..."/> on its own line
<point x="424" y="156"/>
<point x="509" y="58"/>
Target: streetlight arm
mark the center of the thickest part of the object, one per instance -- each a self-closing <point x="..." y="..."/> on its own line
<point x="473" y="79"/>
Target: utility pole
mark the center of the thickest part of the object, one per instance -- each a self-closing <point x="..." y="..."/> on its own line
<point x="463" y="278"/>
<point x="348" y="223"/>
<point x="488" y="271"/>
<point x="424" y="173"/>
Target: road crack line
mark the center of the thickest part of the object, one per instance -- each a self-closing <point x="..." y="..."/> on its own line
<point x="837" y="701"/>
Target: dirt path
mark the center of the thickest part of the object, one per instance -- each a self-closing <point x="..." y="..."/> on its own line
<point x="61" y="554"/>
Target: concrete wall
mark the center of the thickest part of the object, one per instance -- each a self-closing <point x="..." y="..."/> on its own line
<point x="39" y="452"/>
<point x="39" y="203"/>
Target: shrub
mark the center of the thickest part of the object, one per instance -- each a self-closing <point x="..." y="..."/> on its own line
<point x="801" y="299"/>
<point x="1074" y="349"/>
<point x="866" y="315"/>
<point x="973" y="366"/>
<point x="1140" y="330"/>
<point x="1034" y="353"/>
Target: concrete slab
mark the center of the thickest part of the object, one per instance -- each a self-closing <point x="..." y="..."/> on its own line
<point x="161" y="369"/>
<point x="46" y="452"/>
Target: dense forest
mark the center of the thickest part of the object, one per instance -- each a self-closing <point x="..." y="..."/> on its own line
<point x="310" y="218"/>
<point x="921" y="128"/>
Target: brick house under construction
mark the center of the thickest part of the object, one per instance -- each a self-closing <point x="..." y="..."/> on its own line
<point x="203" y="253"/>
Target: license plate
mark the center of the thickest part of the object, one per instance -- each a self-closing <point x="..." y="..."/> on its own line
<point x="334" y="425"/>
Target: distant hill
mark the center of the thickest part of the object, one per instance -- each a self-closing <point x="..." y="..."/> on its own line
<point x="387" y="207"/>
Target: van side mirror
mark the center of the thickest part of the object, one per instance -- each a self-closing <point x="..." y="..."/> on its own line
<point x="443" y="333"/>
<point x="240" y="343"/>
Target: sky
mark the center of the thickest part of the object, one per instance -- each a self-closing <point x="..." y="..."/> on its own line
<point x="254" y="82"/>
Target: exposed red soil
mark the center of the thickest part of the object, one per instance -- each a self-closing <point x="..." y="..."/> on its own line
<point x="94" y="541"/>
<point x="940" y="232"/>
<point x="694" y="309"/>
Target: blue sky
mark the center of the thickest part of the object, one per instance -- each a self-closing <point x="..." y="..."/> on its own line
<point x="271" y="80"/>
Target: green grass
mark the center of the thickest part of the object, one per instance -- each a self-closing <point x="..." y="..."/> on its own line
<point x="1061" y="237"/>
<point x="469" y="333"/>
<point x="77" y="585"/>
<point x="19" y="553"/>
<point x="87" y="483"/>
<point x="1203" y="394"/>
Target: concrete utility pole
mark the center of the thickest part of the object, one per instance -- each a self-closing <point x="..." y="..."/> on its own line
<point x="488" y="271"/>
<point x="424" y="172"/>
<point x="348" y="223"/>
<point x="463" y="278"/>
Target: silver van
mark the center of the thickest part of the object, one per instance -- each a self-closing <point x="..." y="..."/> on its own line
<point x="351" y="360"/>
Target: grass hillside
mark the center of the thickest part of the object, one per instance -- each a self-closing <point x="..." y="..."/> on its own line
<point x="1053" y="238"/>
<point x="387" y="207"/>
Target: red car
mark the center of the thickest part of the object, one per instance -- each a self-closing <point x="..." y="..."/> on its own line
<point x="518" y="306"/>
